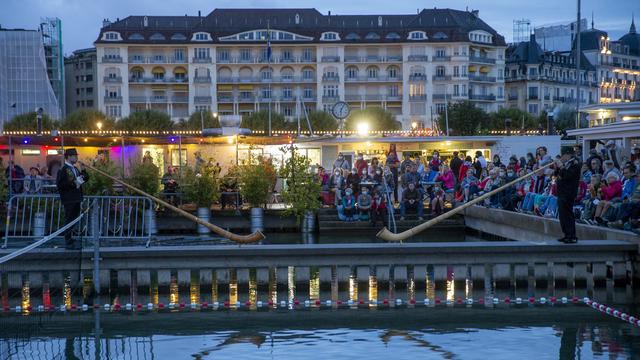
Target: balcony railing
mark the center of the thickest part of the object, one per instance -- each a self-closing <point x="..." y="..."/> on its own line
<point x="417" y="77"/>
<point x="246" y="99"/>
<point x="353" y="97"/>
<point x="441" y="96"/>
<point x="158" y="99"/>
<point x="201" y="60"/>
<point x="180" y="99"/>
<point x="330" y="98"/>
<point x="482" y="78"/>
<point x="112" y="59"/>
<point x="441" y="77"/>
<point x="533" y="97"/>
<point x="482" y="60"/>
<point x="113" y="99"/>
<point x="330" y="59"/>
<point x="309" y="98"/>
<point x="547" y="97"/>
<point x="137" y="99"/>
<point x="202" y="99"/>
<point x="136" y="59"/>
<point x="373" y="79"/>
<point x="202" y="79"/>
<point x="330" y="78"/>
<point x="135" y="79"/>
<point x="417" y="58"/>
<point x="418" y="97"/>
<point x="513" y="97"/>
<point x="113" y="79"/>
<point x="441" y="58"/>
<point x="225" y="98"/>
<point x="482" y="97"/>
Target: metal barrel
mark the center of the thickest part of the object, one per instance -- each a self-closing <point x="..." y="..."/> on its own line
<point x="204" y="214"/>
<point x="150" y="214"/>
<point x="257" y="219"/>
<point x="309" y="222"/>
<point x="39" y="223"/>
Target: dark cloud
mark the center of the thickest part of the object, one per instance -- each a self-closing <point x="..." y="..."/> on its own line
<point x="81" y="19"/>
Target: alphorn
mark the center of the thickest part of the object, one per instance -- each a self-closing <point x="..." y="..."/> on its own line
<point x="387" y="235"/>
<point x="240" y="239"/>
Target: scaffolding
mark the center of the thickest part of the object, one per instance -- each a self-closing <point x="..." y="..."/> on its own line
<point x="51" y="29"/>
<point x="521" y="30"/>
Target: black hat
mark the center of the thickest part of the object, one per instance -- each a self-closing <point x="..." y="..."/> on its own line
<point x="568" y="150"/>
<point x="70" y="152"/>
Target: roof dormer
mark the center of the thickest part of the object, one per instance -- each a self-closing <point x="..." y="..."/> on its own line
<point x="330" y="36"/>
<point x="417" y="35"/>
<point x="201" y="36"/>
<point x="111" y="36"/>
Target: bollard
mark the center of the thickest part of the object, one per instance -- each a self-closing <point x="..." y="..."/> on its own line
<point x="204" y="214"/>
<point x="150" y="215"/>
<point x="309" y="222"/>
<point x="39" y="224"/>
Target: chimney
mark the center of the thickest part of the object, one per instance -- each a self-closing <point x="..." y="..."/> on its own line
<point x="329" y="12"/>
<point x="199" y="13"/>
<point x="475" y="13"/>
<point x="106" y="22"/>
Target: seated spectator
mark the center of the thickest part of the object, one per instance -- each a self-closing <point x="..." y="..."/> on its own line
<point x="437" y="201"/>
<point x="353" y="181"/>
<point x="409" y="177"/>
<point x="365" y="177"/>
<point x="620" y="209"/>
<point x="364" y="204"/>
<point x="375" y="164"/>
<point x="435" y="161"/>
<point x="406" y="163"/>
<point x="531" y="161"/>
<point x="378" y="208"/>
<point x="411" y="200"/>
<point x="469" y="184"/>
<point x="347" y="209"/>
<point x="466" y="165"/>
<point x="361" y="164"/>
<point x="447" y="178"/>
<point x="323" y="179"/>
<point x="229" y="185"/>
<point x="496" y="161"/>
<point x="494" y="181"/>
<point x="33" y="181"/>
<point x="591" y="199"/>
<point x="337" y="185"/>
<point x="609" y="167"/>
<point x="610" y="190"/>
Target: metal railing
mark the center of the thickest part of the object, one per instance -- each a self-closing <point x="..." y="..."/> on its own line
<point x="391" y="217"/>
<point x="121" y="217"/>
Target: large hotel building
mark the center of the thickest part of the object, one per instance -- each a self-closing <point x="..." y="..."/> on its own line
<point x="411" y="65"/>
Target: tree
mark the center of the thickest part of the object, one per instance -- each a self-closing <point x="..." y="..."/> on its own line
<point x="28" y="122"/>
<point x="87" y="119"/>
<point x="465" y="119"/>
<point x="150" y="120"/>
<point x="145" y="176"/>
<point x="259" y="120"/>
<point x="201" y="188"/>
<point x="194" y="122"/>
<point x="378" y="119"/>
<point x="257" y="181"/>
<point x="564" y="118"/>
<point x="302" y="187"/>
<point x="320" y="121"/>
<point x="519" y="120"/>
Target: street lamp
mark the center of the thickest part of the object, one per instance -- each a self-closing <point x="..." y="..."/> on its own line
<point x="363" y="129"/>
<point x="99" y="125"/>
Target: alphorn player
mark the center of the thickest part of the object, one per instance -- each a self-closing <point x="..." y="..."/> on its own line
<point x="69" y="182"/>
<point x="567" y="180"/>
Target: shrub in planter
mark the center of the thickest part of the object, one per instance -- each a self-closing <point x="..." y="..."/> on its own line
<point x="99" y="184"/>
<point x="302" y="189"/>
<point x="201" y="188"/>
<point x="146" y="177"/>
<point x="256" y="182"/>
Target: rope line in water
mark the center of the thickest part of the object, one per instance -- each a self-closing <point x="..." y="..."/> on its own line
<point x="607" y="310"/>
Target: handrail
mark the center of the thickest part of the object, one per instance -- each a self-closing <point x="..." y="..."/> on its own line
<point x="46" y="238"/>
<point x="387" y="235"/>
<point x="241" y="239"/>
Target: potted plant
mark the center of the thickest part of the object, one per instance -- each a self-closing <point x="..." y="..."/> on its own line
<point x="202" y="189"/>
<point x="256" y="183"/>
<point x="301" y="190"/>
<point x="145" y="176"/>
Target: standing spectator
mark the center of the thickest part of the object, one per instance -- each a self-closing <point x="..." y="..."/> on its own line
<point x="480" y="164"/>
<point x="170" y="183"/>
<point x="411" y="200"/>
<point x="612" y="153"/>
<point x="568" y="178"/>
<point x="33" y="181"/>
<point x="407" y="162"/>
<point x="337" y="185"/>
<point x="199" y="162"/>
<point x="17" y="175"/>
<point x="341" y="163"/>
<point x="635" y="154"/>
<point x="496" y="160"/>
<point x="364" y="204"/>
<point x="147" y="159"/>
<point x="455" y="164"/>
<point x="361" y="164"/>
<point x="393" y="162"/>
<point x="435" y="161"/>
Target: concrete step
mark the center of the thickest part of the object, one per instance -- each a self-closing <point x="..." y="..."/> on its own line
<point x="336" y="225"/>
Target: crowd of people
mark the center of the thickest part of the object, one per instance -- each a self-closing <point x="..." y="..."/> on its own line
<point x="33" y="182"/>
<point x="607" y="193"/>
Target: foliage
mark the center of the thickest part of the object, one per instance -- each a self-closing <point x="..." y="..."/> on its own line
<point x="256" y="182"/>
<point x="565" y="118"/>
<point x="99" y="184"/>
<point x="145" y="120"/>
<point x="519" y="120"/>
<point x="201" y="188"/>
<point x="320" y="121"/>
<point x="86" y="119"/>
<point x="145" y="176"/>
<point x="28" y="122"/>
<point x="302" y="187"/>
<point x="465" y="119"/>
<point x="194" y="122"/>
<point x="378" y="119"/>
<point x="259" y="120"/>
<point x="4" y="190"/>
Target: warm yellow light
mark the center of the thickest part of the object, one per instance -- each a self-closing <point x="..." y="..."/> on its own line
<point x="99" y="125"/>
<point x="215" y="114"/>
<point x="142" y="140"/>
<point x="85" y="139"/>
<point x="230" y="140"/>
<point x="363" y="129"/>
<point x="447" y="143"/>
<point x="414" y="125"/>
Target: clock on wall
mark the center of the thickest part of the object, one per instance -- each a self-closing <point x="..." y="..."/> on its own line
<point x="340" y="110"/>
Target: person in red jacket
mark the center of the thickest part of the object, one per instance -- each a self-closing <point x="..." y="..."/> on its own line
<point x="611" y="189"/>
<point x="361" y="163"/>
<point x="466" y="164"/>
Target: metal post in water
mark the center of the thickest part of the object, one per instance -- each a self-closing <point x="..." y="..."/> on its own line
<point x="95" y="231"/>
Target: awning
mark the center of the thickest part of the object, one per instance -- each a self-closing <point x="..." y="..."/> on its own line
<point x="484" y="69"/>
<point x="225" y="87"/>
<point x="472" y="68"/>
<point x="158" y="87"/>
<point x="245" y="87"/>
<point x="181" y="87"/>
<point x="158" y="70"/>
<point x="180" y="70"/>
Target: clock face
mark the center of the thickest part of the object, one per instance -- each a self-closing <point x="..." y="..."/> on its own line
<point x="340" y="110"/>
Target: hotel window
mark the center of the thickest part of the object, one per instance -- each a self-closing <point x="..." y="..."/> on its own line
<point x="202" y="53"/>
<point x="372" y="72"/>
<point x="533" y="109"/>
<point x="352" y="72"/>
<point x="464" y="71"/>
<point x="287" y="111"/>
<point x="392" y="90"/>
<point x="392" y="72"/>
<point x="266" y="93"/>
<point x="114" y="111"/>
<point x="456" y="90"/>
<point x="330" y="36"/>
<point x="307" y="54"/>
<point x="416" y="89"/>
<point x="417" y="35"/>
<point x="440" y="107"/>
<point x="307" y="74"/>
<point x="500" y="92"/>
<point x="286" y="55"/>
<point x="245" y="54"/>
<point x="330" y="90"/>
<point x="223" y="55"/>
<point x="308" y="93"/>
<point x="440" y="71"/>
<point x="533" y="71"/>
<point x="202" y="37"/>
<point x="441" y="52"/>
<point x="287" y="93"/>
<point x="266" y="74"/>
<point x="203" y="108"/>
<point x="178" y="54"/>
<point x="456" y="71"/>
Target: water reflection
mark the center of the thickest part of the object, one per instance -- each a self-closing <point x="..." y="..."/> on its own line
<point x="273" y="287"/>
<point x="194" y="287"/>
<point x="233" y="288"/>
<point x="291" y="285"/>
<point x="66" y="291"/>
<point x="451" y="285"/>
<point x="314" y="284"/>
<point x="26" y="294"/>
<point x="253" y="288"/>
<point x="173" y="288"/>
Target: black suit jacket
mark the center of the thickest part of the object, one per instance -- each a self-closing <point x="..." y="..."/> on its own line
<point x="65" y="181"/>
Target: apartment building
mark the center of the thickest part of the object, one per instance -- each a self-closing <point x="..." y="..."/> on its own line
<point x="411" y="65"/>
<point x="538" y="80"/>
<point x="80" y="71"/>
